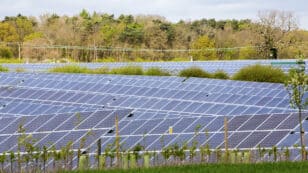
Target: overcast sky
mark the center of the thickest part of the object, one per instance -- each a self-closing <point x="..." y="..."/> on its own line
<point x="173" y="10"/>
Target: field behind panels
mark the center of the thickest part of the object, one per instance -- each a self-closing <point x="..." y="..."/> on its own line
<point x="58" y="108"/>
<point x="230" y="67"/>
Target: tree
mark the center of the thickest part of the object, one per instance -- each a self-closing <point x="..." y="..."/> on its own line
<point x="273" y="29"/>
<point x="23" y="25"/>
<point x="203" y="48"/>
<point x="297" y="86"/>
<point x="8" y="33"/>
<point x="132" y="34"/>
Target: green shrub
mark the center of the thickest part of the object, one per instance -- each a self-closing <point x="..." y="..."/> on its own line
<point x="70" y="69"/>
<point x="3" y="69"/>
<point x="101" y="70"/>
<point x="220" y="74"/>
<point x="260" y="73"/>
<point x="155" y="71"/>
<point x="127" y="70"/>
<point x="5" y="52"/>
<point x="194" y="72"/>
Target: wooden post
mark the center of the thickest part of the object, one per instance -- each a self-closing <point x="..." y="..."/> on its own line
<point x="99" y="151"/>
<point x="226" y="138"/>
<point x="117" y="141"/>
<point x="19" y="51"/>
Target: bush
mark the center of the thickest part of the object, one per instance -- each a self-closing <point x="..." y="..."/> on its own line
<point x="101" y="70"/>
<point x="220" y="74"/>
<point x="194" y="72"/>
<point x="5" y="52"/>
<point x="128" y="70"/>
<point x="70" y="69"/>
<point x="260" y="73"/>
<point x="155" y="71"/>
<point x="3" y="69"/>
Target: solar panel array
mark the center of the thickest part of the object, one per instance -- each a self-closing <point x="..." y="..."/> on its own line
<point x="211" y="66"/>
<point x="57" y="108"/>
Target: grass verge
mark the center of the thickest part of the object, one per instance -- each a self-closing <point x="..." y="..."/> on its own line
<point x="280" y="167"/>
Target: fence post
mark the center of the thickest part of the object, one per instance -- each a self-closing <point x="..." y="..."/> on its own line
<point x="226" y="139"/>
<point x="99" y="151"/>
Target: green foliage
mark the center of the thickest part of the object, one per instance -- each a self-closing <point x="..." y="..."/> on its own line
<point x="127" y="70"/>
<point x="5" y="52"/>
<point x="297" y="86"/>
<point x="3" y="69"/>
<point x="132" y="34"/>
<point x="194" y="72"/>
<point x="8" y="33"/>
<point x="260" y="73"/>
<point x="69" y="69"/>
<point x="10" y="60"/>
<point x="101" y="70"/>
<point x="206" y="45"/>
<point x="33" y="36"/>
<point x="220" y="74"/>
<point x="155" y="71"/>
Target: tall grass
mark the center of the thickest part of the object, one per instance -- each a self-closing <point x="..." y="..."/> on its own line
<point x="127" y="70"/>
<point x="156" y="71"/>
<point x="220" y="74"/>
<point x="70" y="69"/>
<point x="257" y="73"/>
<point x="280" y="167"/>
<point x="260" y="73"/>
<point x="101" y="70"/>
<point x="194" y="72"/>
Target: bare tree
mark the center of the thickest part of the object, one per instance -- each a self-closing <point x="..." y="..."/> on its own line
<point x="273" y="30"/>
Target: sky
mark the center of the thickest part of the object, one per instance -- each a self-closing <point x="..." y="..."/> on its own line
<point x="172" y="10"/>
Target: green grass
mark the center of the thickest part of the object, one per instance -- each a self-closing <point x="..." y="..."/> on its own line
<point x="257" y="73"/>
<point x="101" y="70"/>
<point x="127" y="70"/>
<point x="10" y="60"/>
<point x="260" y="73"/>
<point x="281" y="167"/>
<point x="220" y="74"/>
<point x="69" y="69"/>
<point x="156" y="71"/>
<point x="194" y="72"/>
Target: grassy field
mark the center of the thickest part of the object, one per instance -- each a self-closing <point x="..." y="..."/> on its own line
<point x="282" y="167"/>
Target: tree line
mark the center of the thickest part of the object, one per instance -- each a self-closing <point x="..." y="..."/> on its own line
<point x="106" y="37"/>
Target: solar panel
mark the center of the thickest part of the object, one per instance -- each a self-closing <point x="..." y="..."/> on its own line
<point x="59" y="108"/>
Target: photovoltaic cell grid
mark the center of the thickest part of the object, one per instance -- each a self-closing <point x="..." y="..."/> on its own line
<point x="58" y="129"/>
<point x="229" y="66"/>
<point x="258" y="113"/>
<point x="244" y="131"/>
<point x="206" y="97"/>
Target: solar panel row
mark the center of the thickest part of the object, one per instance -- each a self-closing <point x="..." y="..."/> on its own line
<point x="258" y="113"/>
<point x="229" y="66"/>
